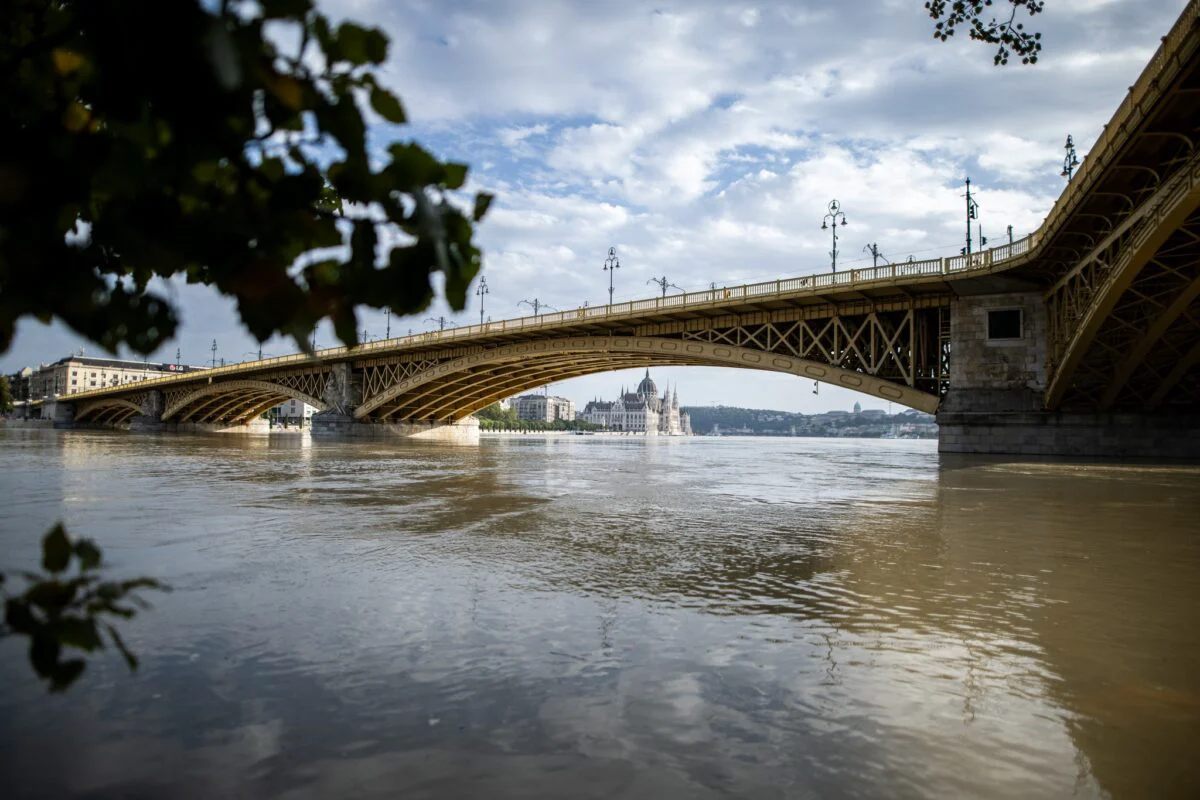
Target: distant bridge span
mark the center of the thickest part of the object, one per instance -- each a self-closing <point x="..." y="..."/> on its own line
<point x="1106" y="290"/>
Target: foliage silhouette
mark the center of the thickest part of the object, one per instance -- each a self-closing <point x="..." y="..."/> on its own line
<point x="1009" y="36"/>
<point x="65" y="608"/>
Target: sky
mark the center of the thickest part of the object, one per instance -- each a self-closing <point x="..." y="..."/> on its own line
<point x="704" y="140"/>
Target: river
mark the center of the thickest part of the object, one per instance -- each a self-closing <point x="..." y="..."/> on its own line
<point x="595" y="617"/>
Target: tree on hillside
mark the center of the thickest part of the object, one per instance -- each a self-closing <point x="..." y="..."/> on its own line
<point x="6" y="400"/>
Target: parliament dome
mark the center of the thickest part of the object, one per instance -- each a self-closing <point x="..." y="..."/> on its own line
<point x="647" y="388"/>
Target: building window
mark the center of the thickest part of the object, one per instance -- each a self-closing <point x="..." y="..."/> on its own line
<point x="1004" y="323"/>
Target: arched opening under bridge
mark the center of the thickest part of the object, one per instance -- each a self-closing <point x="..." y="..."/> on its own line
<point x="452" y="390"/>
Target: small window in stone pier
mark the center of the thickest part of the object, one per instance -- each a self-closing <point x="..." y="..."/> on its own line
<point x="1004" y="323"/>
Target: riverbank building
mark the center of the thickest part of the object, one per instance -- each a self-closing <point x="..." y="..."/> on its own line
<point x="641" y="411"/>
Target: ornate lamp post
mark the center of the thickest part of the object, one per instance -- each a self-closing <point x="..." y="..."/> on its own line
<point x="440" y="322"/>
<point x="611" y="265"/>
<point x="480" y="291"/>
<point x="388" y="333"/>
<point x="1070" y="162"/>
<point x="835" y="214"/>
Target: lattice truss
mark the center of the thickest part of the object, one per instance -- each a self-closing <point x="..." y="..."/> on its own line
<point x="1117" y="321"/>
<point x="309" y="382"/>
<point x="114" y="410"/>
<point x="906" y="347"/>
<point x="378" y="378"/>
<point x="237" y="400"/>
<point x="1144" y="354"/>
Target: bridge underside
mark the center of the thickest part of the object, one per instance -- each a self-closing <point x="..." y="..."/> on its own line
<point x="1144" y="353"/>
<point x="1124" y="270"/>
<point x="460" y="387"/>
<point x="899" y="355"/>
<point x="109" y="411"/>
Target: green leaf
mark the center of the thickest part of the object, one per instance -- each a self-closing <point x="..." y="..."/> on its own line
<point x="79" y="633"/>
<point x="456" y="175"/>
<point x="387" y="105"/>
<point x="43" y="653"/>
<point x="361" y="45"/>
<point x="56" y="549"/>
<point x="290" y="9"/>
<point x="18" y="617"/>
<point x="483" y="201"/>
<point x="130" y="658"/>
<point x="412" y="166"/>
<point x="64" y="674"/>
<point x="89" y="554"/>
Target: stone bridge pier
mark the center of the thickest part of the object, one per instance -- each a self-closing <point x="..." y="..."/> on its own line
<point x="999" y="373"/>
<point x="343" y="394"/>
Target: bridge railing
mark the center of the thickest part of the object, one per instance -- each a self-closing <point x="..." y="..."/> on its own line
<point x="783" y="288"/>
<point x="1155" y="77"/>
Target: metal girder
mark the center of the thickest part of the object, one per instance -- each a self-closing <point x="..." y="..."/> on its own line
<point x="289" y="386"/>
<point x="104" y="406"/>
<point x="1137" y="354"/>
<point x="456" y="387"/>
<point x="1182" y="367"/>
<point x="1095" y="295"/>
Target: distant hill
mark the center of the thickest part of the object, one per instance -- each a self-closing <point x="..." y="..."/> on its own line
<point x="872" y="423"/>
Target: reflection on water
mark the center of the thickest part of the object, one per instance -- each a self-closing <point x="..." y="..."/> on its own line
<point x="586" y="617"/>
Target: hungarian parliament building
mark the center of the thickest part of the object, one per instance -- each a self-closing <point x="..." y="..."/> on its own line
<point x="642" y="411"/>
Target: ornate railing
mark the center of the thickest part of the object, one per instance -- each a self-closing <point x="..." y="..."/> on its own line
<point x="868" y="277"/>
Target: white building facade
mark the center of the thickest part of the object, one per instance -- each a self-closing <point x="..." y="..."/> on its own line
<point x="642" y="411"/>
<point x="293" y="412"/>
<point x="544" y="408"/>
<point x="83" y="373"/>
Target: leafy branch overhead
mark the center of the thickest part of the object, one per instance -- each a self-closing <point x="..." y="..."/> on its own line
<point x="61" y="609"/>
<point x="1009" y="36"/>
<point x="226" y="143"/>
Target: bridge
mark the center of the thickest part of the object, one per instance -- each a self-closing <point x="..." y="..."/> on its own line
<point x="1083" y="337"/>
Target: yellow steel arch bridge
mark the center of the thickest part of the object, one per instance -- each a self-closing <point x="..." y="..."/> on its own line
<point x="1114" y="271"/>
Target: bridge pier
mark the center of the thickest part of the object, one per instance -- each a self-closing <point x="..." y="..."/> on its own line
<point x="343" y="393"/>
<point x="328" y="423"/>
<point x="60" y="413"/>
<point x="998" y="378"/>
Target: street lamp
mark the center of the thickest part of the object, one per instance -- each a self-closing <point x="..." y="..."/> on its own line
<point x="835" y="212"/>
<point x="388" y="333"/>
<point x="664" y="285"/>
<point x="440" y="321"/>
<point x="480" y="291"/>
<point x="1070" y="162"/>
<point x="611" y="265"/>
<point x="972" y="213"/>
<point x="214" y="352"/>
<point x="536" y="304"/>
